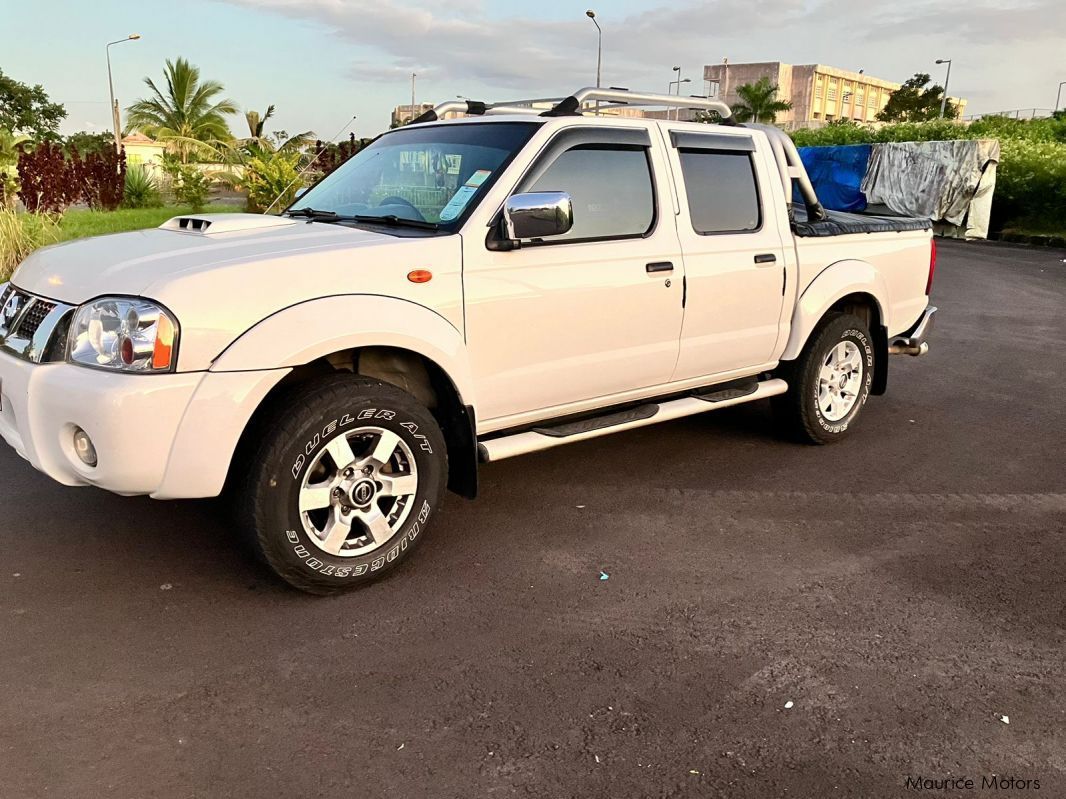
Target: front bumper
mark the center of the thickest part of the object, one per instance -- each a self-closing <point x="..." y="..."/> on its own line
<point x="914" y="341"/>
<point x="131" y="419"/>
<point x="167" y="435"/>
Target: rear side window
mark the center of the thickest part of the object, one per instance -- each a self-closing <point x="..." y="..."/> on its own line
<point x="611" y="188"/>
<point x="722" y="195"/>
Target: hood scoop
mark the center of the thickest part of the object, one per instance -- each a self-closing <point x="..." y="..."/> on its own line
<point x="204" y="224"/>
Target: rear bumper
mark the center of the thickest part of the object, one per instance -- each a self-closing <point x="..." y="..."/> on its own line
<point x="915" y="341"/>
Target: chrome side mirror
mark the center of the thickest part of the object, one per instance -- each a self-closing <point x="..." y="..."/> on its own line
<point x="538" y="214"/>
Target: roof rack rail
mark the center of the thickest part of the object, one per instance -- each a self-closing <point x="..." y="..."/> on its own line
<point x="787" y="156"/>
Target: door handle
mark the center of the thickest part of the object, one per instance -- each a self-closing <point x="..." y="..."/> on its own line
<point x="659" y="266"/>
<point x="766" y="258"/>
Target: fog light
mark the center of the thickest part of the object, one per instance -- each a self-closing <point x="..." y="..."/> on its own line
<point x="83" y="445"/>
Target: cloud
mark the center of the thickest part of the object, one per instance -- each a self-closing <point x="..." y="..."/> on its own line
<point x="470" y="42"/>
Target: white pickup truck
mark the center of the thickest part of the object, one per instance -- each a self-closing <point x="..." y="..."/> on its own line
<point x="459" y="292"/>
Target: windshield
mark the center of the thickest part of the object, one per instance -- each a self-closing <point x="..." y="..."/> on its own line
<point x="434" y="174"/>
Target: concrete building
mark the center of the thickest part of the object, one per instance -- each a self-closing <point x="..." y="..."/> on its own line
<point x="402" y="114"/>
<point x="819" y="94"/>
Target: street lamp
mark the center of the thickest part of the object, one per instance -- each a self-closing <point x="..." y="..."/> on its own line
<point x="111" y="89"/>
<point x="1059" y="95"/>
<point x="413" y="76"/>
<point x="599" y="44"/>
<point x="599" y="51"/>
<point x="947" y="79"/>
<point x="670" y="90"/>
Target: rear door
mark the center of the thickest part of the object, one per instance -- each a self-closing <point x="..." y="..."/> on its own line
<point x="592" y="313"/>
<point x="733" y="249"/>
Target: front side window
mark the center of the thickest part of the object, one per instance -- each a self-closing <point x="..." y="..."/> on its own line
<point x="721" y="189"/>
<point x="611" y="189"/>
<point x="432" y="173"/>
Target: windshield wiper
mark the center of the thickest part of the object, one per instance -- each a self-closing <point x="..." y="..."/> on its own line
<point x="313" y="213"/>
<point x="398" y="221"/>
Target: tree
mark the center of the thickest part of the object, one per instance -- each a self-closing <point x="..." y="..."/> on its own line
<point x="913" y="102"/>
<point x="259" y="142"/>
<point x="27" y="109"/>
<point x="758" y="102"/>
<point x="187" y="116"/>
<point x="85" y="142"/>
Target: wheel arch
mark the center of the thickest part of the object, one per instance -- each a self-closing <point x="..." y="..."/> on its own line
<point x="395" y="341"/>
<point x="843" y="285"/>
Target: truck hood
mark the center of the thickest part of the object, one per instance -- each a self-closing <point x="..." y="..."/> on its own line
<point x="131" y="263"/>
<point x="220" y="275"/>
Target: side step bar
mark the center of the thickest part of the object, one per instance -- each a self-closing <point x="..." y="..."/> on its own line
<point x="496" y="449"/>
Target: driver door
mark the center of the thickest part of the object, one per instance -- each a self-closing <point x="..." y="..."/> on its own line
<point x="568" y="320"/>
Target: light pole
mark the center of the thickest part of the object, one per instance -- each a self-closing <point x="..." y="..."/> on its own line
<point x="1058" y="96"/>
<point x="413" y="76"/>
<point x="111" y="89"/>
<point x="599" y="51"/>
<point x="947" y="79"/>
<point x="670" y="90"/>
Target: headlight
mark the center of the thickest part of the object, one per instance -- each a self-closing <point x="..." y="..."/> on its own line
<point x="125" y="334"/>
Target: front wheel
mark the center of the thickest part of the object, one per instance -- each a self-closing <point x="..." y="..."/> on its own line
<point x="829" y="383"/>
<point x="346" y="474"/>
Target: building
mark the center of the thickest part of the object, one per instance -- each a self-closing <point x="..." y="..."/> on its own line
<point x="819" y="94"/>
<point x="142" y="151"/>
<point x="402" y="114"/>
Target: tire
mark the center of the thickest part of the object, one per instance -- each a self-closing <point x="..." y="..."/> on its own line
<point x="341" y="452"/>
<point x="826" y="396"/>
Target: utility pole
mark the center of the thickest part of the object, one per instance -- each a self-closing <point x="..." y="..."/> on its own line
<point x="413" y="114"/>
<point x="115" y="123"/>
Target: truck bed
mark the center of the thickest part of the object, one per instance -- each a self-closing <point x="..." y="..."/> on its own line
<point x="842" y="223"/>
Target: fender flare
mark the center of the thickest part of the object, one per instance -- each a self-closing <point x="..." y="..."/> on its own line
<point x="302" y="333"/>
<point x="832" y="284"/>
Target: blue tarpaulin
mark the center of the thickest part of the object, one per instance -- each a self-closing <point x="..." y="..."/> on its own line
<point x="837" y="174"/>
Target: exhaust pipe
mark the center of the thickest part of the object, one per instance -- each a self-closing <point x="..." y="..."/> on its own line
<point x="907" y="347"/>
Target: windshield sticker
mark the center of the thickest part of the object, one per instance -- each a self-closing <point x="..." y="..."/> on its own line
<point x="478" y="178"/>
<point x="457" y="203"/>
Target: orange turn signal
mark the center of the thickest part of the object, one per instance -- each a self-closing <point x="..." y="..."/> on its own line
<point x="420" y="276"/>
<point x="164" y="344"/>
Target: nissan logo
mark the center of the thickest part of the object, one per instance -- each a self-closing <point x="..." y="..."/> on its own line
<point x="11" y="309"/>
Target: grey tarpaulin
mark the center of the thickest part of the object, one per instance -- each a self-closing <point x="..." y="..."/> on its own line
<point x="948" y="182"/>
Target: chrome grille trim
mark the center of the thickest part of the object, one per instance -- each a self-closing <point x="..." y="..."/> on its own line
<point x="28" y="322"/>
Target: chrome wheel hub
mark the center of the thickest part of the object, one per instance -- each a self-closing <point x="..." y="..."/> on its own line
<point x="358" y="492"/>
<point x="840" y="381"/>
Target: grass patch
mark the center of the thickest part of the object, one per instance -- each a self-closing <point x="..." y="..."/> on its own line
<point x="21" y="234"/>
<point x="79" y="223"/>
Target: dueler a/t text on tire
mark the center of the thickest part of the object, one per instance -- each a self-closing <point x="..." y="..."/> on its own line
<point x="829" y="383"/>
<point x="345" y="475"/>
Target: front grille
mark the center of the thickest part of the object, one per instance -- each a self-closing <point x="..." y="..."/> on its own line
<point x="4" y="295"/>
<point x="31" y="320"/>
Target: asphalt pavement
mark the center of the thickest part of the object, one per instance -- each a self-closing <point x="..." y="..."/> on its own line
<point x="689" y="609"/>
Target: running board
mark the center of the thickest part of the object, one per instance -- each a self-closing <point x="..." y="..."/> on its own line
<point x="545" y="437"/>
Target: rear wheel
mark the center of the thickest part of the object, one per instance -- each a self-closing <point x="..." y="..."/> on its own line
<point x="345" y="476"/>
<point x="829" y="383"/>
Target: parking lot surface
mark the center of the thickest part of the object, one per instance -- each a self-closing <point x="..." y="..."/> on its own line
<point x="689" y="609"/>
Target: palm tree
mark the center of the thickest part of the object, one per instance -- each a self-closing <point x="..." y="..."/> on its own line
<point x="259" y="142"/>
<point x="187" y="116"/>
<point x="759" y="102"/>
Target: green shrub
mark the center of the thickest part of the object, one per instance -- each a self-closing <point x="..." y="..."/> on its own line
<point x="271" y="181"/>
<point x="142" y="190"/>
<point x="21" y="234"/>
<point x="190" y="186"/>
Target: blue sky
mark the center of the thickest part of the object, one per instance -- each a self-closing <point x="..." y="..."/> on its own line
<point x="320" y="61"/>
